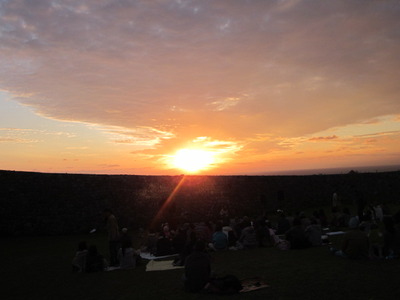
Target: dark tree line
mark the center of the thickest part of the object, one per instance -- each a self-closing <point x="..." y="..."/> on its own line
<point x="40" y="203"/>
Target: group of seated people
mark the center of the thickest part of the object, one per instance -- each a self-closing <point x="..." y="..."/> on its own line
<point x="381" y="234"/>
<point x="89" y="260"/>
<point x="217" y="236"/>
<point x="368" y="237"/>
<point x="371" y="237"/>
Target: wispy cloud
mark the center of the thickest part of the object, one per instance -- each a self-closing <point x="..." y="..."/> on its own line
<point x="323" y="138"/>
<point x="16" y="140"/>
<point x="139" y="58"/>
<point x="379" y="134"/>
<point x="226" y="103"/>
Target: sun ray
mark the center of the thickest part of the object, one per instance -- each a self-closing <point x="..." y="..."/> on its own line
<point x="167" y="202"/>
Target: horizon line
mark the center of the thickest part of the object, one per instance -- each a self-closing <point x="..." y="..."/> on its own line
<point x="295" y="172"/>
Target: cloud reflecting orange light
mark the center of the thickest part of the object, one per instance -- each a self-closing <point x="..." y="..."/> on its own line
<point x="118" y="86"/>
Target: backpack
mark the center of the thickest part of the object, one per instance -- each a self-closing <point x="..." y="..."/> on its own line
<point x="226" y="285"/>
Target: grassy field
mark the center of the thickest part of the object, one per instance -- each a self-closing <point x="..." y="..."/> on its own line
<point x="40" y="268"/>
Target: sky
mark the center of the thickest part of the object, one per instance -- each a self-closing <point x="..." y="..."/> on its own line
<point x="248" y="86"/>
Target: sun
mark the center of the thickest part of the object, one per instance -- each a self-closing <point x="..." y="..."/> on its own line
<point x="193" y="160"/>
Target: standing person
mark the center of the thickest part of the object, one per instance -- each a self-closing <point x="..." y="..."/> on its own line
<point x="360" y="203"/>
<point x="335" y="200"/>
<point x="113" y="236"/>
<point x="224" y="214"/>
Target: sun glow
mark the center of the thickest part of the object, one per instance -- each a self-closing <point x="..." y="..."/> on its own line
<point x="193" y="160"/>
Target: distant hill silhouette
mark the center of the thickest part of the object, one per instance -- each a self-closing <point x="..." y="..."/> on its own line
<point x="333" y="171"/>
<point x="42" y="203"/>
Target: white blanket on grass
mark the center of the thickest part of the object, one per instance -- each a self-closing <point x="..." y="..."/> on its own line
<point x="147" y="255"/>
<point x="335" y="233"/>
<point x="162" y="265"/>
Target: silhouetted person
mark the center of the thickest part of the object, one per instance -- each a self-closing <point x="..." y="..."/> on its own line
<point x="113" y="236"/>
<point x="283" y="224"/>
<point x="197" y="268"/>
<point x="164" y="246"/>
<point x="296" y="236"/>
<point x="127" y="256"/>
<point x="355" y="242"/>
<point x="219" y="239"/>
<point x="314" y="233"/>
<point x="248" y="237"/>
<point x="360" y="203"/>
<point x="94" y="261"/>
<point x="79" y="261"/>
<point x="335" y="200"/>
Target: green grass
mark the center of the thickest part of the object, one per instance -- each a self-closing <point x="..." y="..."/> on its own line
<point x="40" y="268"/>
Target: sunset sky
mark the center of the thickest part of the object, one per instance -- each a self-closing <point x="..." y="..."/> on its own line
<point x="121" y="86"/>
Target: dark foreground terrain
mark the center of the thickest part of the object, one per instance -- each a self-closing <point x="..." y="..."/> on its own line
<point x="39" y="268"/>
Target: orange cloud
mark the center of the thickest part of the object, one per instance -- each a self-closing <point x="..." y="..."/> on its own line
<point x="323" y="138"/>
<point x="256" y="78"/>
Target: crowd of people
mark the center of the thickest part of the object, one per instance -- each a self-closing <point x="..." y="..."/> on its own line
<point x="122" y="255"/>
<point x="369" y="234"/>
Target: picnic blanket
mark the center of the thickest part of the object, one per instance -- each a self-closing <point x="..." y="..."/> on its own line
<point x="253" y="284"/>
<point x="335" y="233"/>
<point x="113" y="268"/>
<point x="149" y="256"/>
<point x="162" y="265"/>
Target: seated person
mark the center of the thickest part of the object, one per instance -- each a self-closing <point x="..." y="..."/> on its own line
<point x="127" y="256"/>
<point x="314" y="233"/>
<point x="164" y="246"/>
<point x="262" y="231"/>
<point x="180" y="238"/>
<point x="203" y="232"/>
<point x="95" y="262"/>
<point x="391" y="237"/>
<point x="344" y="218"/>
<point x="231" y="234"/>
<point x="283" y="224"/>
<point x="376" y="241"/>
<point x="197" y="268"/>
<point x="79" y="261"/>
<point x="296" y="236"/>
<point x="355" y="242"/>
<point x="188" y="247"/>
<point x="125" y="236"/>
<point x="151" y="243"/>
<point x="219" y="239"/>
<point x="276" y="240"/>
<point x="248" y="237"/>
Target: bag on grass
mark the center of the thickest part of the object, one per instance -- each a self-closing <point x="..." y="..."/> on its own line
<point x="226" y="285"/>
